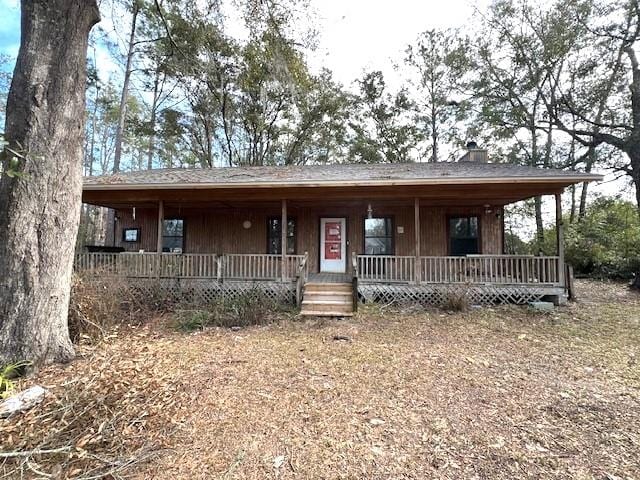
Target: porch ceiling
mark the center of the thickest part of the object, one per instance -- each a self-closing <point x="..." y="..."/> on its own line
<point x="450" y="194"/>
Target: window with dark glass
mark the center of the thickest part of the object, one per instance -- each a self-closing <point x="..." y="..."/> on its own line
<point x="274" y="236"/>
<point x="378" y="236"/>
<point x="173" y="235"/>
<point x="131" y="235"/>
<point x="463" y="236"/>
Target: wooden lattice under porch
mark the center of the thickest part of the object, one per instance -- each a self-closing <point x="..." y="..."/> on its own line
<point x="202" y="292"/>
<point x="431" y="294"/>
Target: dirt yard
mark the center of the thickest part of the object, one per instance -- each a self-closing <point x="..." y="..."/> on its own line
<point x="491" y="393"/>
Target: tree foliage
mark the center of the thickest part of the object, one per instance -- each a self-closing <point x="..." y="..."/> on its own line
<point x="440" y="65"/>
<point x="605" y="243"/>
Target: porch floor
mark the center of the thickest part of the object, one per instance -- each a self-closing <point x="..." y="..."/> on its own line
<point x="324" y="277"/>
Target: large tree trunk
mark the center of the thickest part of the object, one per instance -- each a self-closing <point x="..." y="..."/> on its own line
<point x="634" y="157"/>
<point x="40" y="209"/>
<point x="539" y="225"/>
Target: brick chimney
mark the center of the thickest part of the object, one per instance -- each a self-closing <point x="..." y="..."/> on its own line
<point x="474" y="154"/>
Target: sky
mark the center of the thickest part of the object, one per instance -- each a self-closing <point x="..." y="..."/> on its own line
<point x="355" y="35"/>
<point x="358" y="35"/>
<point x="9" y="27"/>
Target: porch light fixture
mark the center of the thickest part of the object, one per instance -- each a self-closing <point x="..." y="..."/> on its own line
<point x="246" y="224"/>
<point x="369" y="212"/>
<point x="133" y="213"/>
<point x="487" y="209"/>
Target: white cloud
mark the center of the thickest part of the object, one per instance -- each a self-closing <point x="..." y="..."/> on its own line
<point x="359" y="35"/>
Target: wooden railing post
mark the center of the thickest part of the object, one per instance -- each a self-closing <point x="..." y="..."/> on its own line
<point x="283" y="238"/>
<point x="416" y="212"/>
<point x="560" y="239"/>
<point x="220" y="268"/>
<point x="354" y="281"/>
<point x="159" y="237"/>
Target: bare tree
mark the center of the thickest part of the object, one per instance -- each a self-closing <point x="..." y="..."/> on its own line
<point x="131" y="45"/>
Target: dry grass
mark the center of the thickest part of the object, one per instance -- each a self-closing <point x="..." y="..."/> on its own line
<point x="491" y="393"/>
<point x="99" y="304"/>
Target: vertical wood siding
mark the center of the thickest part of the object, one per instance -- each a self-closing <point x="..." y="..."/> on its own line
<point x="219" y="231"/>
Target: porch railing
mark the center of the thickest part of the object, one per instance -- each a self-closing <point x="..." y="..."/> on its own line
<point x="472" y="269"/>
<point x="259" y="266"/>
<point x="190" y="265"/>
<point x="386" y="268"/>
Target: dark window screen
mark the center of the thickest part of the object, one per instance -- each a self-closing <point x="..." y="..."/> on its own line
<point x="274" y="240"/>
<point x="463" y="236"/>
<point x="173" y="236"/>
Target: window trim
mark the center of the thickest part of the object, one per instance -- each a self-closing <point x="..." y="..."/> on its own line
<point x="184" y="234"/>
<point x="392" y="236"/>
<point x="124" y="234"/>
<point x="294" y="236"/>
<point x="448" y="230"/>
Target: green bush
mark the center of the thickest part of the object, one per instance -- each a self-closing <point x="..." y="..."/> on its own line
<point x="606" y="242"/>
<point x="8" y="374"/>
<point x="603" y="244"/>
<point x="190" y="320"/>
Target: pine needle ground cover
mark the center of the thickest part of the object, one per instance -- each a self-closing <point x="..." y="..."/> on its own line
<point x="489" y="393"/>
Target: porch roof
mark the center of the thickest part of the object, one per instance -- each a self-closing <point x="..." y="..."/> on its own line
<point x="335" y="175"/>
<point x="446" y="183"/>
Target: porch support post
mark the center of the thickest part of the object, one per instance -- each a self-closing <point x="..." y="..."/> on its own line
<point x="160" y="221"/>
<point x="416" y="212"/>
<point x="560" y="238"/>
<point x="159" y="239"/>
<point x="283" y="232"/>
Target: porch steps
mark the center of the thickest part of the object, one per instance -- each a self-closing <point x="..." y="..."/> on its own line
<point x="327" y="300"/>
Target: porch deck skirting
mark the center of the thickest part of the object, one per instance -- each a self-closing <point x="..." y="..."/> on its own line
<point x="433" y="294"/>
<point x="199" y="278"/>
<point x="200" y="292"/>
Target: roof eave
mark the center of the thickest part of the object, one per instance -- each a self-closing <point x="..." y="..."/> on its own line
<point x="561" y="180"/>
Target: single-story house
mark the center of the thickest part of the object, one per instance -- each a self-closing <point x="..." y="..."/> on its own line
<point x="387" y="232"/>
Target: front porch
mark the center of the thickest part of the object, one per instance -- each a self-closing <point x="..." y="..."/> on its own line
<point x="484" y="279"/>
<point x="409" y="233"/>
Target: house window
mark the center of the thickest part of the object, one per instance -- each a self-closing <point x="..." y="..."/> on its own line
<point x="131" y="235"/>
<point x="173" y="236"/>
<point x="378" y="236"/>
<point x="274" y="236"/>
<point x="463" y="236"/>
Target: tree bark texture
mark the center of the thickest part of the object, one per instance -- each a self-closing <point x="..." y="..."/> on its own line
<point x="40" y="209"/>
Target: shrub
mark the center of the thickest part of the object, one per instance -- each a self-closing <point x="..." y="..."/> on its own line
<point x="98" y="304"/>
<point x="190" y="320"/>
<point x="8" y="374"/>
<point x="603" y="244"/>
<point x="455" y="301"/>
<point x="252" y="307"/>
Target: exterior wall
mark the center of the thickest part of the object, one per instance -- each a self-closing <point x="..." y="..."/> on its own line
<point x="221" y="231"/>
